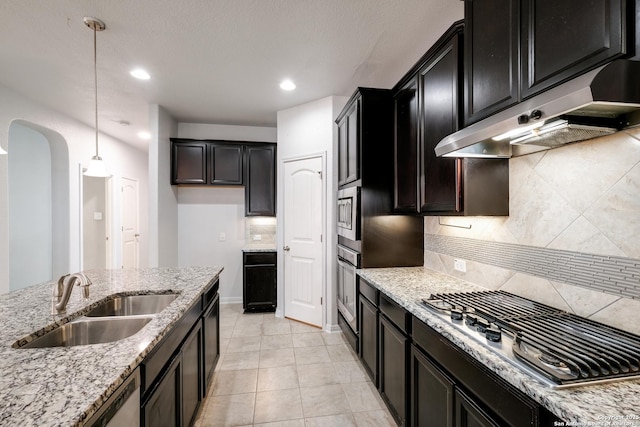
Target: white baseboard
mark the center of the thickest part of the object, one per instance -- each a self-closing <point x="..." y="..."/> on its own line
<point x="332" y="328"/>
<point x="230" y="300"/>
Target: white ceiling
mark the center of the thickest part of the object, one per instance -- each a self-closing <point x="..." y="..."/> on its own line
<point x="211" y="61"/>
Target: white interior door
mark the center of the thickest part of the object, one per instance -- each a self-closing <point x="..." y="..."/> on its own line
<point x="129" y="223"/>
<point x="303" y="245"/>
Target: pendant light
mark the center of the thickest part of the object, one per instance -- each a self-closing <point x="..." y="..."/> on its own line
<point x="97" y="167"/>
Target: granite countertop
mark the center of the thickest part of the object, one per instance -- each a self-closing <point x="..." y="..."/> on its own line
<point x="259" y="247"/>
<point x="616" y="403"/>
<point x="62" y="386"/>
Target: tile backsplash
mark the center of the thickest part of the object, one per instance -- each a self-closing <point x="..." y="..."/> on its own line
<point x="261" y="230"/>
<point x="579" y="204"/>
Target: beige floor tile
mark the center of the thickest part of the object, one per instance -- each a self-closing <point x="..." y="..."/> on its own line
<point x="238" y="344"/>
<point x="242" y="360"/>
<point x="231" y="308"/>
<point x="229" y="410"/>
<point x="235" y="382"/>
<point x="317" y="374"/>
<point x="278" y="357"/>
<point x="300" y="328"/>
<point x="250" y="318"/>
<point x="341" y="420"/>
<point x="288" y="423"/>
<point x="276" y="327"/>
<point x="307" y="339"/>
<point x="362" y="396"/>
<point x="324" y="400"/>
<point x="341" y="353"/>
<point x="224" y="343"/>
<point x="350" y="372"/>
<point x="333" y="338"/>
<point x="273" y="342"/>
<point x="247" y="330"/>
<point x="280" y="378"/>
<point x="278" y="405"/>
<point x="311" y="355"/>
<point x="380" y="418"/>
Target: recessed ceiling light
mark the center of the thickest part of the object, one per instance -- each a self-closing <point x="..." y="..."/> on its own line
<point x="287" y="85"/>
<point x="144" y="135"/>
<point x="139" y="73"/>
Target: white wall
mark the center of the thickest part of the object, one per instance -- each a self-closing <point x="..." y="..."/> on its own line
<point x="30" y="214"/>
<point x="163" y="197"/>
<point x="122" y="160"/>
<point x="205" y="212"/>
<point x="302" y="131"/>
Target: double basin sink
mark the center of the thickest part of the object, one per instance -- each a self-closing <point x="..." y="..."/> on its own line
<point x="112" y="320"/>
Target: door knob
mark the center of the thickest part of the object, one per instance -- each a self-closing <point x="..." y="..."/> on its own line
<point x="286" y="248"/>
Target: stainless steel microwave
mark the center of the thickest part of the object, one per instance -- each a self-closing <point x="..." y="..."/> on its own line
<point x="348" y="213"/>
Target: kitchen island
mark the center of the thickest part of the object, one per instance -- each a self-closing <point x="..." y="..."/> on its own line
<point x="615" y="403"/>
<point x="65" y="386"/>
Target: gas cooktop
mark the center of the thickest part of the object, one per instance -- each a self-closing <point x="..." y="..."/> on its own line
<point x="558" y="348"/>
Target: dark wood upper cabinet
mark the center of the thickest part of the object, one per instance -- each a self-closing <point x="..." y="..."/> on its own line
<point x="348" y="144"/>
<point x="515" y="49"/>
<point x="561" y="39"/>
<point x="189" y="163"/>
<point x="438" y="81"/>
<point x="492" y="28"/>
<point x="260" y="192"/>
<point x="212" y="162"/>
<point x="428" y="104"/>
<point x="226" y="161"/>
<point x="406" y="148"/>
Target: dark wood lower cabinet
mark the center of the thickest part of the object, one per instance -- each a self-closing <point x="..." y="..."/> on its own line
<point x="369" y="337"/>
<point x="432" y="393"/>
<point x="259" y="290"/>
<point x="191" y="377"/>
<point x="211" y="328"/>
<point x="393" y="351"/>
<point x="163" y="406"/>
<point x="176" y="374"/>
<point x="469" y="414"/>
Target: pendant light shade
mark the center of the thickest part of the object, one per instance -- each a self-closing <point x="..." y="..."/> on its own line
<point x="97" y="166"/>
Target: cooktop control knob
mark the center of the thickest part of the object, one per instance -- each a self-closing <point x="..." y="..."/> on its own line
<point x="471" y="320"/>
<point x="492" y="333"/>
<point x="456" y="314"/>
<point x="482" y="325"/>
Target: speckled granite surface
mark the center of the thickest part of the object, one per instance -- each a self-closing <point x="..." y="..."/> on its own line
<point x="62" y="386"/>
<point x="596" y="405"/>
<point x="259" y="247"/>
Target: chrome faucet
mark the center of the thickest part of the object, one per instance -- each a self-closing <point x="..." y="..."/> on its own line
<point x="62" y="290"/>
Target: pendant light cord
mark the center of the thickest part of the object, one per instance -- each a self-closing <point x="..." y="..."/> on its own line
<point x="95" y="81"/>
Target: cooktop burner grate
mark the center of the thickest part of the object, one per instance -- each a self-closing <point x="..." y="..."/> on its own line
<point x="563" y="347"/>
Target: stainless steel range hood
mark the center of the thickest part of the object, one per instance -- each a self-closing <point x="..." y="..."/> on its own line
<point x="594" y="104"/>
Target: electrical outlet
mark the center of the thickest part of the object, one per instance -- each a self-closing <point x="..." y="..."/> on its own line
<point x="257" y="237"/>
<point x="460" y="265"/>
<point x="222" y="237"/>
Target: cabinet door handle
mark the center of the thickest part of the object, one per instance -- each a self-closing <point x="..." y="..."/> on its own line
<point x="286" y="248"/>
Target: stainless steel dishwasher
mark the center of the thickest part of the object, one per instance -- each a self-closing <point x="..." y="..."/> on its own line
<point x="122" y="408"/>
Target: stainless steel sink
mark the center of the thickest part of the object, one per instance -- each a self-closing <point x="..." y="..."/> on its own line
<point x="133" y="305"/>
<point x="90" y="331"/>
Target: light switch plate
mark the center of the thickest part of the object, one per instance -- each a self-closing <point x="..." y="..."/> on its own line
<point x="97" y="216"/>
<point x="257" y="237"/>
<point x="222" y="237"/>
<point x="460" y="265"/>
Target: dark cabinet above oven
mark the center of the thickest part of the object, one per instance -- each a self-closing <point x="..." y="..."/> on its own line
<point x="365" y="198"/>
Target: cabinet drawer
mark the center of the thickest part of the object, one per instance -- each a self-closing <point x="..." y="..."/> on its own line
<point x="210" y="294"/>
<point x="256" y="258"/>
<point x="368" y="291"/>
<point x="398" y="315"/>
